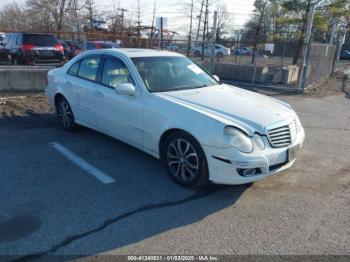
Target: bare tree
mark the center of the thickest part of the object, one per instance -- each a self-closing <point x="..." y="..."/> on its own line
<point x="56" y="9"/>
<point x="260" y="11"/>
<point x="222" y="22"/>
<point x="90" y="8"/>
<point x="13" y="17"/>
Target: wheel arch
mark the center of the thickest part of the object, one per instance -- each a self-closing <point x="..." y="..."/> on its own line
<point x="169" y="132"/>
<point x="203" y="179"/>
<point x="56" y="97"/>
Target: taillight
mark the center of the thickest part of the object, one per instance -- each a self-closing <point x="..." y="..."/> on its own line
<point x="59" y="48"/>
<point x="27" y="47"/>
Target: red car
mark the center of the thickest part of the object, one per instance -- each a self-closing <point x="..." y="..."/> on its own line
<point x="90" y="45"/>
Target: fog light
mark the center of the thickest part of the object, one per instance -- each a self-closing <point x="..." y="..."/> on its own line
<point x="248" y="171"/>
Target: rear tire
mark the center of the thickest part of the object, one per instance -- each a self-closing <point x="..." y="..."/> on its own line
<point x="184" y="160"/>
<point x="65" y="117"/>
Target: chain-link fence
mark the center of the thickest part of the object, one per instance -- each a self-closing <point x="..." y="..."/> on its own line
<point x="28" y="48"/>
<point x="320" y="62"/>
<point x="269" y="63"/>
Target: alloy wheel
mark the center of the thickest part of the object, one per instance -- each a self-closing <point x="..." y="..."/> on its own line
<point x="65" y="114"/>
<point x="182" y="160"/>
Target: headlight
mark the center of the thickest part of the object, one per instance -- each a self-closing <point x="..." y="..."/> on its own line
<point x="239" y="139"/>
<point x="259" y="141"/>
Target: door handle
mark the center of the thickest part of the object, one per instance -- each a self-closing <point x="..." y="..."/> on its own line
<point x="98" y="94"/>
<point x="68" y="83"/>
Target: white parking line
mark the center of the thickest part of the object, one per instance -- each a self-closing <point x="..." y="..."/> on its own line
<point x="98" y="174"/>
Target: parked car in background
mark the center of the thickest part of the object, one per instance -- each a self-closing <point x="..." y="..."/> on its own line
<point x="68" y="52"/>
<point x="344" y="54"/>
<point x="167" y="106"/>
<point x="219" y="50"/>
<point x="74" y="45"/>
<point x="32" y="48"/>
<point x="2" y="36"/>
<point x="99" y="25"/>
<point x="243" y="51"/>
<point x="4" y="53"/>
<point x="90" y="45"/>
<point x="172" y="47"/>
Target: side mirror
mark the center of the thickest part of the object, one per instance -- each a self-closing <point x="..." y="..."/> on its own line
<point x="125" y="89"/>
<point x="216" y="78"/>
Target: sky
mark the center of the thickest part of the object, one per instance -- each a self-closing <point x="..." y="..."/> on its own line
<point x="176" y="13"/>
<point x="175" y="10"/>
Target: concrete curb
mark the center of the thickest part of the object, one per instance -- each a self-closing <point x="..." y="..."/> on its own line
<point x="23" y="77"/>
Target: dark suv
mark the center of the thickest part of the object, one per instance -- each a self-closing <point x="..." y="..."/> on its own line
<point x="32" y="48"/>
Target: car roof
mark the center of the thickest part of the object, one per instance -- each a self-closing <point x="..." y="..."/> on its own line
<point x="29" y="33"/>
<point x="134" y="52"/>
<point x="101" y="42"/>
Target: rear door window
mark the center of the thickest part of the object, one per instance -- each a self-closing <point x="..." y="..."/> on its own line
<point x="39" y="40"/>
<point x="88" y="68"/>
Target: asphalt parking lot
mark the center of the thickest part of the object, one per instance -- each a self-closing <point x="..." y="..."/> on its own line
<point x="51" y="206"/>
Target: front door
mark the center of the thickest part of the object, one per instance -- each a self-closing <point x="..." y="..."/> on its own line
<point x="118" y="115"/>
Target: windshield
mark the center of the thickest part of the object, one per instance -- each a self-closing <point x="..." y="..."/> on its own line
<point x="170" y="73"/>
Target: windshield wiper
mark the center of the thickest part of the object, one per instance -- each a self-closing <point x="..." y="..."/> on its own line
<point x="187" y="87"/>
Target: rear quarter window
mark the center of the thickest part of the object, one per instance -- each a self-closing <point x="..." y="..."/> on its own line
<point x="73" y="70"/>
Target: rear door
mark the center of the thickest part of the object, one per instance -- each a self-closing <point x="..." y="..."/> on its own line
<point x="82" y="80"/>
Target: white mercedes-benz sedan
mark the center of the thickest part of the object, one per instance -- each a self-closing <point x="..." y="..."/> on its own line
<point x="166" y="105"/>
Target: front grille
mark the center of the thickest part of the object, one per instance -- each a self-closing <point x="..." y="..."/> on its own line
<point x="280" y="136"/>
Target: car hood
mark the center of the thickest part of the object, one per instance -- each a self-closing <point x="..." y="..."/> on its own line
<point x="248" y="110"/>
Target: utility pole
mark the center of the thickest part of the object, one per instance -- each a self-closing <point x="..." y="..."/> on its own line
<point x="205" y="26"/>
<point x="190" y="33"/>
<point x="122" y="10"/>
<point x="138" y="18"/>
<point x="76" y="18"/>
<point x="153" y="17"/>
<point x="334" y="27"/>
<point x="342" y="38"/>
<point x="306" y="50"/>
<point x="213" y="42"/>
<point x="161" y="33"/>
<point x="199" y="22"/>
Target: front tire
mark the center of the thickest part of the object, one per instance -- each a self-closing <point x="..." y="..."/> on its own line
<point x="65" y="117"/>
<point x="184" y="160"/>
